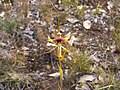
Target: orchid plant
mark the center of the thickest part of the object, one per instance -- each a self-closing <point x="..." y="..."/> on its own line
<point x="58" y="42"/>
<point x="61" y="51"/>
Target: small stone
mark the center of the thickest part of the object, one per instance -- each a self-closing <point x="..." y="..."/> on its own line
<point x="110" y="5"/>
<point x="2" y="14"/>
<point x="56" y="74"/>
<point x="25" y="48"/>
<point x="22" y="27"/>
<point x="48" y="67"/>
<point x="86" y="78"/>
<point x="87" y="24"/>
<point x="71" y="41"/>
<point x="95" y="58"/>
<point x="69" y="58"/>
<point x="59" y="1"/>
<point x="95" y="20"/>
<point x="86" y="16"/>
<point x="112" y="28"/>
<point x="29" y="32"/>
<point x="80" y="7"/>
<point x="72" y="20"/>
<point x="2" y="44"/>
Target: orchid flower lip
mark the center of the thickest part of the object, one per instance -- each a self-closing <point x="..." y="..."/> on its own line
<point x="59" y="39"/>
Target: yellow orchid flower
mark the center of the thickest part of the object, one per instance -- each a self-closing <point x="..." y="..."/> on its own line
<point x="59" y="40"/>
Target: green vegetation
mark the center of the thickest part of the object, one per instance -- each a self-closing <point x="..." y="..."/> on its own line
<point x="8" y="25"/>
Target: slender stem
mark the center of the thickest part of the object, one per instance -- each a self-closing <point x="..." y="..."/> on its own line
<point x="58" y="24"/>
<point x="61" y="75"/>
<point x="58" y="14"/>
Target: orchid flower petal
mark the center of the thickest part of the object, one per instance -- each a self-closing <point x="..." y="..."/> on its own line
<point x="50" y="40"/>
<point x="67" y="37"/>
